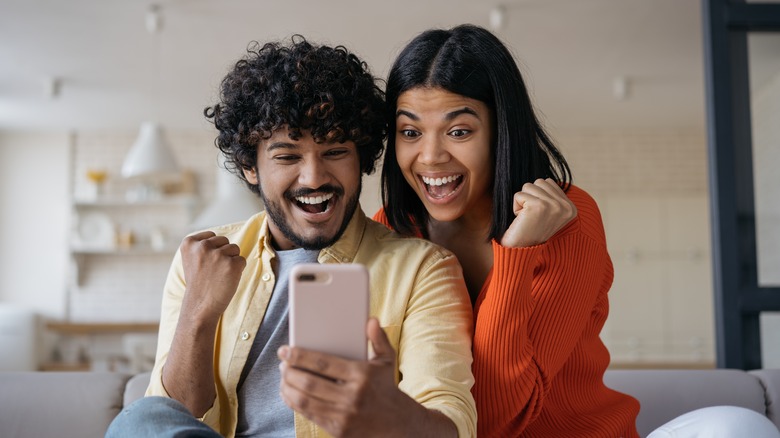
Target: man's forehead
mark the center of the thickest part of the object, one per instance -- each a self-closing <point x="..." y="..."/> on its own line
<point x="280" y="139"/>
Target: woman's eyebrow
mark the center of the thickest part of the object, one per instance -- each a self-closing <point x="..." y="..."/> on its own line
<point x="456" y="113"/>
<point x="449" y="116"/>
<point x="412" y="116"/>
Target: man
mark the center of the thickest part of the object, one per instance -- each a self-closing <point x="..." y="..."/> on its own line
<point x="299" y="124"/>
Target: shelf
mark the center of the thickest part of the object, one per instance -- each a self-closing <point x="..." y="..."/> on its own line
<point x="133" y="250"/>
<point x="58" y="366"/>
<point x="101" y="328"/>
<point x="170" y="201"/>
<point x="92" y="329"/>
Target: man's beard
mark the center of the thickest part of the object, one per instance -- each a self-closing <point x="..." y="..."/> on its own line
<point x="319" y="242"/>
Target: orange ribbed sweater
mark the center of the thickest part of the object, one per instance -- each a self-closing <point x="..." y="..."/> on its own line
<point x="538" y="359"/>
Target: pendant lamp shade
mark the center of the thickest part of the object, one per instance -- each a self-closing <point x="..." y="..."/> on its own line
<point x="150" y="155"/>
<point x="233" y="201"/>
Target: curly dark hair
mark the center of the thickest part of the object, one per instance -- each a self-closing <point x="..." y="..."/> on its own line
<point x="327" y="91"/>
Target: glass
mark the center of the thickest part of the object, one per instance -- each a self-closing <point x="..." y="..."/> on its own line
<point x="764" y="67"/>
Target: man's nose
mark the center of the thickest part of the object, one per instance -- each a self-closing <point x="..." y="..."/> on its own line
<point x="314" y="173"/>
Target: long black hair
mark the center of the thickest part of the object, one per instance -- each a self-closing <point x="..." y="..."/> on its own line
<point x="470" y="61"/>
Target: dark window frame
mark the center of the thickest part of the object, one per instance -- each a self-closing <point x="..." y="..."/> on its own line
<point x="739" y="300"/>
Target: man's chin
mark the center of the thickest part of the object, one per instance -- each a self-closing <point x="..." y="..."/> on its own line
<point x="316" y="236"/>
<point x="317" y="244"/>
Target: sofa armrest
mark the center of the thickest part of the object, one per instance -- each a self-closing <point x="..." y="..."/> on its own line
<point x="136" y="387"/>
<point x="59" y="404"/>
<point x="770" y="380"/>
<point x="666" y="394"/>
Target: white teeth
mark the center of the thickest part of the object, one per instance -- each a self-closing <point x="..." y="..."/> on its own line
<point x="440" y="181"/>
<point x="313" y="199"/>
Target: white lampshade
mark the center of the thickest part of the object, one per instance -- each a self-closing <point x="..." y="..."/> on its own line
<point x="233" y="201"/>
<point x="150" y="155"/>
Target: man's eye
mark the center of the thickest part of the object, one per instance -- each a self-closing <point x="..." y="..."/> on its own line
<point x="285" y="158"/>
<point x="336" y="153"/>
<point x="409" y="133"/>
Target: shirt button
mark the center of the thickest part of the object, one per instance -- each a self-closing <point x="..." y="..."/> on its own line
<point x="244" y="336"/>
<point x="266" y="276"/>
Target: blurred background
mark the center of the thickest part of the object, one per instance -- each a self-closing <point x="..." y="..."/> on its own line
<point x="106" y="160"/>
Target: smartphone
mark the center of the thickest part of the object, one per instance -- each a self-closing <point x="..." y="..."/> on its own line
<point x="329" y="309"/>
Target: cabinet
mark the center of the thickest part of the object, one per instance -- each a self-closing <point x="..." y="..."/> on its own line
<point x="114" y="227"/>
<point x="83" y="346"/>
<point x="120" y="253"/>
<point x="660" y="302"/>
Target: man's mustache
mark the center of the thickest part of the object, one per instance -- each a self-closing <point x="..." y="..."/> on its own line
<point x="324" y="189"/>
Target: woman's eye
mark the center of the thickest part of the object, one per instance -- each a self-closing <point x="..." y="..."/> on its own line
<point x="459" y="132"/>
<point x="409" y="133"/>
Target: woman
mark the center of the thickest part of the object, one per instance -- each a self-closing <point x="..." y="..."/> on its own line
<point x="469" y="167"/>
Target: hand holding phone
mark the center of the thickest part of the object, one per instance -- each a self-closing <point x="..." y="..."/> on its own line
<point x="329" y="309"/>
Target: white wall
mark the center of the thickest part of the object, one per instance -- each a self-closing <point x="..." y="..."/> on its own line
<point x="34" y="220"/>
<point x="651" y="187"/>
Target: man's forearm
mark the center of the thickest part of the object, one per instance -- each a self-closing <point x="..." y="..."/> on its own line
<point x="188" y="373"/>
<point x="424" y="422"/>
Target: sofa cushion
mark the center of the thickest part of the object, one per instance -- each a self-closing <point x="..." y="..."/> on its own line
<point x="136" y="387"/>
<point x="770" y="380"/>
<point x="59" y="404"/>
<point x="666" y="394"/>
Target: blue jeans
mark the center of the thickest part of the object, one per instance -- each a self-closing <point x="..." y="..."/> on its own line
<point x="158" y="417"/>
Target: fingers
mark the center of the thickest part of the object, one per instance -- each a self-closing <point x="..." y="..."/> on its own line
<point x="541" y="209"/>
<point x="212" y="271"/>
<point x="383" y="350"/>
<point x="206" y="241"/>
<point x="544" y="193"/>
<point x="329" y="366"/>
<point x="303" y="401"/>
<point x="302" y="381"/>
<point x="316" y="383"/>
<point x="544" y="188"/>
<point x="329" y="412"/>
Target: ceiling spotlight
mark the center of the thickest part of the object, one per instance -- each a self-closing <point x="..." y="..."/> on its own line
<point x="620" y="88"/>
<point x="153" y="19"/>
<point x="497" y="17"/>
<point x="52" y="86"/>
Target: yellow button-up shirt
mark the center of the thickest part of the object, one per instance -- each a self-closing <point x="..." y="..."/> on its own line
<point x="416" y="292"/>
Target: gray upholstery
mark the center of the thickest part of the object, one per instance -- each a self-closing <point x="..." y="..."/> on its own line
<point x="59" y="404"/>
<point x="65" y="405"/>
<point x="136" y="387"/>
<point x="770" y="380"/>
<point x="666" y="394"/>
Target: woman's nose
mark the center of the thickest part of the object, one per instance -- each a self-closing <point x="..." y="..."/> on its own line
<point x="432" y="152"/>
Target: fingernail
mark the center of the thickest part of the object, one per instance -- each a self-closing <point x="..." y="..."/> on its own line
<point x="283" y="352"/>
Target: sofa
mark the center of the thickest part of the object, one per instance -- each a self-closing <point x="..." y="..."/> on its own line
<point x="82" y="404"/>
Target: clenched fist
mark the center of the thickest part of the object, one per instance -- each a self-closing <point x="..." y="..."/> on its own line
<point x="212" y="270"/>
<point x="541" y="210"/>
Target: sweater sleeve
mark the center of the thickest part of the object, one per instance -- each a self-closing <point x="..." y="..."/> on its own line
<point x="381" y="217"/>
<point x="528" y="321"/>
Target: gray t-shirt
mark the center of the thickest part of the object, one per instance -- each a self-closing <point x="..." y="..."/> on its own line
<point x="261" y="411"/>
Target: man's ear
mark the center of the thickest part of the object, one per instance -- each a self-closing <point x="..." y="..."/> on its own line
<point x="250" y="175"/>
